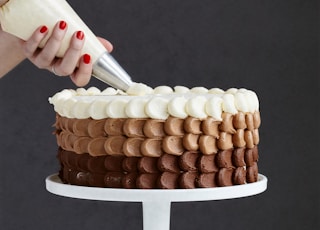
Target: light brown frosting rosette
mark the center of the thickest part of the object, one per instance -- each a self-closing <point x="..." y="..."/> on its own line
<point x="152" y="137"/>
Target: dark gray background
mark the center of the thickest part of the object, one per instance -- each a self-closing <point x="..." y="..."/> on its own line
<point x="270" y="46"/>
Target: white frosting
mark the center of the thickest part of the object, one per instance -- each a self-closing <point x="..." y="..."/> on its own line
<point x="144" y="102"/>
<point x="163" y="90"/>
<point x="232" y="91"/>
<point x="136" y="108"/>
<point x="214" y="108"/>
<point x="98" y="109"/>
<point x="228" y="104"/>
<point x="109" y="91"/>
<point x="241" y="102"/>
<point x="93" y="91"/>
<point x="117" y="108"/>
<point x="65" y="107"/>
<point x="157" y="108"/>
<point x="195" y="107"/>
<point x="181" y="89"/>
<point x="216" y="91"/>
<point x="177" y="107"/>
<point x="199" y="90"/>
<point x="80" y="109"/>
<point x="139" y="89"/>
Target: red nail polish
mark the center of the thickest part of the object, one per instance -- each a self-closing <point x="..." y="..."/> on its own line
<point x="62" y="25"/>
<point x="43" y="29"/>
<point x="80" y="35"/>
<point x="86" y="58"/>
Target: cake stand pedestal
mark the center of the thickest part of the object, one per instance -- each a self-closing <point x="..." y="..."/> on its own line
<point x="156" y="203"/>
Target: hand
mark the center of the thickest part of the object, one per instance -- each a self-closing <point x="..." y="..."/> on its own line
<point x="2" y="2"/>
<point x="72" y="63"/>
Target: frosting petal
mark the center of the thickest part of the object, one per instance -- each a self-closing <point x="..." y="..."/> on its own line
<point x="139" y="89"/>
<point x="181" y="89"/>
<point x="156" y="108"/>
<point x="116" y="108"/>
<point x="214" y="108"/>
<point x="81" y="109"/>
<point x="97" y="110"/>
<point x="228" y="103"/>
<point x="176" y="107"/>
<point x="195" y="107"/>
<point x="163" y="90"/>
<point x="136" y="108"/>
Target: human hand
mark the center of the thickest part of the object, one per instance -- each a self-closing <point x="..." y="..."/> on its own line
<point x="72" y="64"/>
<point x="2" y="2"/>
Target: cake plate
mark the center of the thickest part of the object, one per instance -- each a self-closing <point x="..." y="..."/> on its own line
<point x="156" y="203"/>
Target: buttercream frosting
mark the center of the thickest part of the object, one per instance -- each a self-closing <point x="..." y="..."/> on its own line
<point x="142" y="101"/>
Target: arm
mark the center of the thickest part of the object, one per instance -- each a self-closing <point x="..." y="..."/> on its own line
<point x="11" y="53"/>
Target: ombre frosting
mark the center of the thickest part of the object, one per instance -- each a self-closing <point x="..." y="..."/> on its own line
<point x="141" y="101"/>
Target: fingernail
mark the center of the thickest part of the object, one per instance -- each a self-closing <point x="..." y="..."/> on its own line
<point x="62" y="25"/>
<point x="43" y="29"/>
<point x="80" y="35"/>
<point x="86" y="58"/>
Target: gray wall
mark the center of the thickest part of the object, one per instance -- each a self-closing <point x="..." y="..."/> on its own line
<point x="269" y="46"/>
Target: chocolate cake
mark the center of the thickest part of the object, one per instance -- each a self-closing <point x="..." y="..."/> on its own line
<point x="159" y="138"/>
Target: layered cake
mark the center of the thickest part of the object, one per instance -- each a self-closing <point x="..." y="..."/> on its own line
<point x="161" y="138"/>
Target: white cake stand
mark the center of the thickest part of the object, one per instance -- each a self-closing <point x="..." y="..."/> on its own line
<point x="156" y="203"/>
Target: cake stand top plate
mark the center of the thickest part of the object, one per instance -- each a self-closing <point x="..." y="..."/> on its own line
<point x="55" y="186"/>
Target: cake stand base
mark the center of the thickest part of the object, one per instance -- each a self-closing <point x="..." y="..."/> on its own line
<point x="156" y="203"/>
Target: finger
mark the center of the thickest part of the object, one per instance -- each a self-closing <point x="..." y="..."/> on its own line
<point x="48" y="53"/>
<point x="71" y="58"/>
<point x="32" y="44"/>
<point x="82" y="75"/>
<point x="108" y="45"/>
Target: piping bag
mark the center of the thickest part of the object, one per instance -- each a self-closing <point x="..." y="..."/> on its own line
<point x="22" y="17"/>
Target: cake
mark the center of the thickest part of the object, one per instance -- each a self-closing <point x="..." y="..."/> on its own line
<point x="161" y="138"/>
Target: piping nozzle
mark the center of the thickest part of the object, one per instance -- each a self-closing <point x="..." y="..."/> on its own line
<point x="108" y="70"/>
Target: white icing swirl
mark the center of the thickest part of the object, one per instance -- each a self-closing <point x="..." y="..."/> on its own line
<point x="195" y="107"/>
<point x="214" y="108"/>
<point x="136" y="108"/>
<point x="159" y="103"/>
<point x="163" y="90"/>
<point x="139" y="89"/>
<point x="177" y="107"/>
<point x="98" y="109"/>
<point x="216" y="91"/>
<point x="65" y="107"/>
<point x="199" y="90"/>
<point x="109" y="91"/>
<point x="157" y="108"/>
<point x="228" y="104"/>
<point x="117" y="108"/>
<point x="63" y="95"/>
<point x="241" y="102"/>
<point x="93" y="91"/>
<point x="82" y="91"/>
<point x="81" y="110"/>
<point x="253" y="101"/>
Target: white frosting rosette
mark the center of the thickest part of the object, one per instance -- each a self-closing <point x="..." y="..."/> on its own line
<point x="142" y="101"/>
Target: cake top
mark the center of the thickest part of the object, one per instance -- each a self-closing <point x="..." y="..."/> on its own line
<point x="141" y="101"/>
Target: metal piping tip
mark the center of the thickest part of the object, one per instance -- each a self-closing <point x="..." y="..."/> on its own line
<point x="108" y="70"/>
